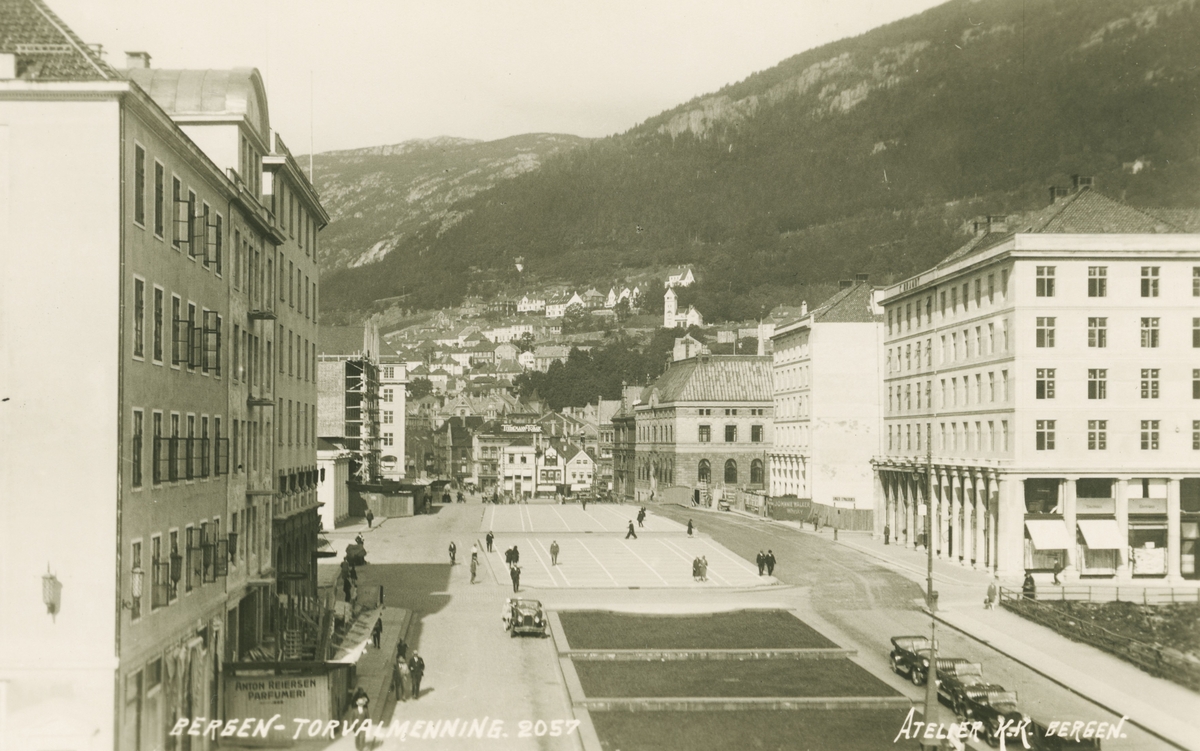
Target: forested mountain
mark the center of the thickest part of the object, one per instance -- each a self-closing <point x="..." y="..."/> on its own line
<point x="380" y="196"/>
<point x="869" y="154"/>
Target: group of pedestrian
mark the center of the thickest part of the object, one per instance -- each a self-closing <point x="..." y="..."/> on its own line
<point x="700" y="569"/>
<point x="641" y="517"/>
<point x="766" y="561"/>
<point x="474" y="560"/>
<point x="512" y="557"/>
<point x="349" y="580"/>
<point x="407" y="674"/>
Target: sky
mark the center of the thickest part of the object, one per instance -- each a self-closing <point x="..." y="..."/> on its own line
<point x="356" y="73"/>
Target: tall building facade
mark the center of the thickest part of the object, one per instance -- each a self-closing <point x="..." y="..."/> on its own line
<point x="158" y="563"/>
<point x="828" y="416"/>
<point x="1050" y="369"/>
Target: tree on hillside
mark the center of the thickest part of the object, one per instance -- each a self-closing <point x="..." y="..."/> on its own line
<point x="622" y="310"/>
<point x="574" y="319"/>
<point x="526" y="343"/>
<point x="419" y="387"/>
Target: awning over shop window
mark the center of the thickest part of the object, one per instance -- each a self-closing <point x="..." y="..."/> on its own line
<point x="1101" y="534"/>
<point x="1049" y="534"/>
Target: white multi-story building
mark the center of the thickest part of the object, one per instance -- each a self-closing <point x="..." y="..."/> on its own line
<point x="393" y="398"/>
<point x="1051" y="370"/>
<point x="827" y="405"/>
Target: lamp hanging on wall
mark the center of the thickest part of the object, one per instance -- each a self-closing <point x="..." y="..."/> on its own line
<point x="51" y="593"/>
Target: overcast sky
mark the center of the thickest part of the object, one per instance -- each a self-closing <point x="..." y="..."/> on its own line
<point x="386" y="71"/>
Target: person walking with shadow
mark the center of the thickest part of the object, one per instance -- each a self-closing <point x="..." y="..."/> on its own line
<point x="554" y="553"/>
<point x="474" y="566"/>
<point x="993" y="592"/>
<point x="690" y="527"/>
<point x="631" y="533"/>
<point x="514" y="571"/>
<point x="489" y="539"/>
<point x="453" y="550"/>
<point x="377" y="631"/>
<point x="770" y="561"/>
<point x="703" y="568"/>
<point x="416" y="669"/>
<point x="761" y="560"/>
<point x="516" y="555"/>
<point x="641" y="517"/>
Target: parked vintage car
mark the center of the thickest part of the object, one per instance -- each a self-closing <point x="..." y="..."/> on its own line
<point x="1040" y="741"/>
<point x="991" y="704"/>
<point x="525" y="617"/>
<point x="955" y="675"/>
<point x="910" y="656"/>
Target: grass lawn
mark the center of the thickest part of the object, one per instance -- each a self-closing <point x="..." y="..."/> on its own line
<point x="725" y="678"/>
<point x="742" y="629"/>
<point x="798" y="730"/>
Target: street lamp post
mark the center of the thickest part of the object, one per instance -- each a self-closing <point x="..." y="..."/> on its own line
<point x="930" y="594"/>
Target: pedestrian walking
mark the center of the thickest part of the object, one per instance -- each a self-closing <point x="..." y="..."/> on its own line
<point x="696" y="569"/>
<point x="516" y="555"/>
<point x="703" y="568"/>
<point x="887" y="534"/>
<point x="993" y="592"/>
<point x="631" y="533"/>
<point x="690" y="527"/>
<point x="584" y="502"/>
<point x="370" y="518"/>
<point x="554" y="553"/>
<point x="1058" y="569"/>
<point x="770" y="561"/>
<point x="508" y="561"/>
<point x="402" y="648"/>
<point x="453" y="550"/>
<point x="416" y="669"/>
<point x="346" y="585"/>
<point x="1029" y="588"/>
<point x="515" y="573"/>
<point x="401" y="678"/>
<point x="641" y="517"/>
<point x="489" y="539"/>
<point x="761" y="560"/>
<point x="377" y="631"/>
<point x="474" y="566"/>
<point x="356" y="713"/>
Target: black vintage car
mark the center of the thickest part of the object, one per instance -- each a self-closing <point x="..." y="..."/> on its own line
<point x="992" y="704"/>
<point x="525" y="617"/>
<point x="955" y="675"/>
<point x="910" y="656"/>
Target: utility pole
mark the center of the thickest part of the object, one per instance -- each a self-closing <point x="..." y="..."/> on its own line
<point x="930" y="595"/>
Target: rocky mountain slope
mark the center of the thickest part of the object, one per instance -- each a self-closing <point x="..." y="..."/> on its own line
<point x="870" y="154"/>
<point x="378" y="197"/>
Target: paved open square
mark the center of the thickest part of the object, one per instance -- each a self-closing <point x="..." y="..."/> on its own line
<point x="599" y="517"/>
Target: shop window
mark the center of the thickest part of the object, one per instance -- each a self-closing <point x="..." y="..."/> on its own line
<point x="1094" y="487"/>
<point x="1041" y="496"/>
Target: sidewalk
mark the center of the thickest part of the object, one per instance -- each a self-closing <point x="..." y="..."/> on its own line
<point x="374" y="666"/>
<point x="1165" y="709"/>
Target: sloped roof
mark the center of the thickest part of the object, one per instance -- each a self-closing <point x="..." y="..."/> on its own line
<point x="852" y="305"/>
<point x="46" y="48"/>
<point x="714" y="378"/>
<point x="1086" y="212"/>
<point x="566" y="450"/>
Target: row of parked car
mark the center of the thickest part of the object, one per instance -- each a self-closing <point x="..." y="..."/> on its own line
<point x="962" y="687"/>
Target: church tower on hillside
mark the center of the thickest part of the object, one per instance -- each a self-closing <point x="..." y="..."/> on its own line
<point x="670" y="308"/>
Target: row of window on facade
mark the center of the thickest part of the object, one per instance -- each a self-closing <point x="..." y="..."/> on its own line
<point x="704" y="472"/>
<point x="983" y="437"/>
<point x="1045" y="286"/>
<point x="187" y="559"/>
<point x="183" y="449"/>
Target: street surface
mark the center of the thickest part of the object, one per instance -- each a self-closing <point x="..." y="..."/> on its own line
<point x="475" y="670"/>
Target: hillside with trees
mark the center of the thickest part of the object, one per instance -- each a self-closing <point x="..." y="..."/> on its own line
<point x="868" y="155"/>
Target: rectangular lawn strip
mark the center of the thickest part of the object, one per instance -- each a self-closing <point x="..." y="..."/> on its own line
<point x="791" y="730"/>
<point x="728" y="678"/>
<point x="741" y="629"/>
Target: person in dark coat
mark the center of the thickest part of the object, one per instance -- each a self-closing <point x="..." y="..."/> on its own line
<point x="453" y="550"/>
<point x="489" y="539"/>
<point x="416" y="669"/>
<point x="641" y="517"/>
<point x="377" y="631"/>
<point x="508" y="557"/>
<point x="887" y="534"/>
<point x="770" y="561"/>
<point x="402" y="649"/>
<point x="370" y="518"/>
<point x="696" y="568"/>
<point x="474" y="568"/>
<point x="516" y="555"/>
<point x="554" y="553"/>
<point x="761" y="560"/>
<point x="346" y="585"/>
<point x="358" y="711"/>
<point x="515" y="572"/>
<point x="631" y="533"/>
<point x="1058" y="569"/>
<point x="584" y="502"/>
<point x="690" y="527"/>
<point x="1029" y="588"/>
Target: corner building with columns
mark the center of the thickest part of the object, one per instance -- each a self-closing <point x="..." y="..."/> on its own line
<point x="1051" y="370"/>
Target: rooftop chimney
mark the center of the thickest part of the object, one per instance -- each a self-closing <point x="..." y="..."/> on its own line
<point x="137" y="60"/>
<point x="997" y="223"/>
<point x="1057" y="193"/>
<point x="846" y="284"/>
<point x="804" y="307"/>
<point x="1078" y="182"/>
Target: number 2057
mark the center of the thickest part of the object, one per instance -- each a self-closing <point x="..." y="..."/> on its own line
<point x="527" y="729"/>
